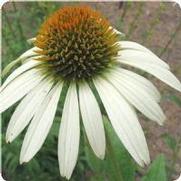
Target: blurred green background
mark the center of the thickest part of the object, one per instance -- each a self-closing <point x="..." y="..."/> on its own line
<point x="156" y="26"/>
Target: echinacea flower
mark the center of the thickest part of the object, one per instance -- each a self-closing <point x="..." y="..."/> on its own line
<point x="77" y="46"/>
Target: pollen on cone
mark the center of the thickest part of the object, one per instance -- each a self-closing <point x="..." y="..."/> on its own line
<point x="77" y="42"/>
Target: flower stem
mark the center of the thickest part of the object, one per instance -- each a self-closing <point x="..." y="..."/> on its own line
<point x="21" y="33"/>
<point x="133" y="24"/>
<point x="153" y="23"/>
<point x="172" y="37"/>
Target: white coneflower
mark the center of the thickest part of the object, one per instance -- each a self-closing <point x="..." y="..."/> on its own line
<point x="77" y="46"/>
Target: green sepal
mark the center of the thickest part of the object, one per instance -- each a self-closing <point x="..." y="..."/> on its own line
<point x="8" y="68"/>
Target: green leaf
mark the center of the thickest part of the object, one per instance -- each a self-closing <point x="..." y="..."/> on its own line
<point x="175" y="99"/>
<point x="94" y="163"/>
<point x="170" y="141"/>
<point x="157" y="170"/>
<point x="119" y="161"/>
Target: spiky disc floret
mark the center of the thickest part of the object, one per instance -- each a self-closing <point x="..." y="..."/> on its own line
<point x="77" y="42"/>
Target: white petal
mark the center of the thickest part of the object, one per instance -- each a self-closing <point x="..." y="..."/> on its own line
<point x="136" y="46"/>
<point x="25" y="56"/>
<point x="40" y="125"/>
<point x="23" y="68"/>
<point x="69" y="134"/>
<point x="141" y="82"/>
<point x="136" y="95"/>
<point x="124" y="121"/>
<point x="161" y="73"/>
<point x="92" y="120"/>
<point x="117" y="32"/>
<point x="26" y="109"/>
<point x="19" y="87"/>
<point x="29" y="53"/>
<point x="142" y="57"/>
<point x="31" y="40"/>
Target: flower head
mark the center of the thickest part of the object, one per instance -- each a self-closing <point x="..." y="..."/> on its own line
<point x="77" y="45"/>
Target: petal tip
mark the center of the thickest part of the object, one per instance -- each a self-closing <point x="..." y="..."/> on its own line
<point x="101" y="156"/>
<point x="162" y="121"/>
<point x="68" y="177"/>
<point x="23" y="159"/>
<point x="21" y="162"/>
<point x="64" y="175"/>
<point x="147" y="162"/>
<point x="8" y="139"/>
<point x="179" y="87"/>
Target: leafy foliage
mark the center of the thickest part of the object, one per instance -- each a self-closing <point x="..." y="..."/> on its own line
<point x="175" y="99"/>
<point x="170" y="141"/>
<point x="157" y="170"/>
